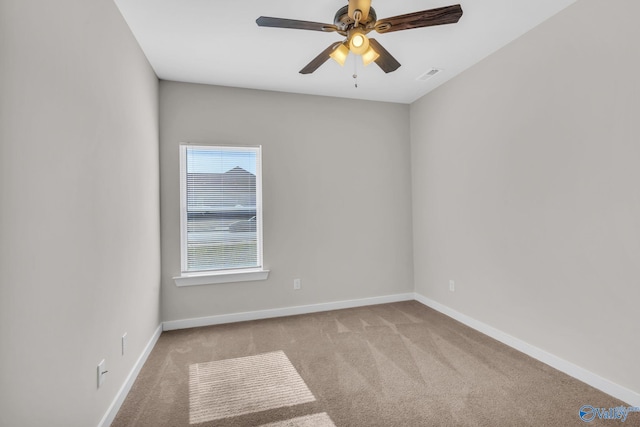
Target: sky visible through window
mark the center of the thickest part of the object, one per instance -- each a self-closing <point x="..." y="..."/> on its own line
<point x="219" y="161"/>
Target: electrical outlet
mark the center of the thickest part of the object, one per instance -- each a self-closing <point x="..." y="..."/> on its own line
<point x="102" y="371"/>
<point x="296" y="284"/>
<point x="124" y="343"/>
<point x="452" y="286"/>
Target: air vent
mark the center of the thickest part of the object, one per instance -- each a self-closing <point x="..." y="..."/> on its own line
<point x="426" y="76"/>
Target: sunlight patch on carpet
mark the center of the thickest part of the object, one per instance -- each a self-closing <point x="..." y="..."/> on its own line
<point x="233" y="387"/>
<point x="313" y="420"/>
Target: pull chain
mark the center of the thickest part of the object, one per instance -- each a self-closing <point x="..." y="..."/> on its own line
<point x="355" y="71"/>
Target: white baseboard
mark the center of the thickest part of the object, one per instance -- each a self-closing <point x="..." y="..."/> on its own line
<point x="626" y="395"/>
<point x="281" y="312"/>
<point x="111" y="413"/>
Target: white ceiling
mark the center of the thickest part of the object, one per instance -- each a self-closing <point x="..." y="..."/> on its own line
<point x="218" y="42"/>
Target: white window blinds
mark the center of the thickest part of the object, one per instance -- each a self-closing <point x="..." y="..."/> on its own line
<point x="221" y="212"/>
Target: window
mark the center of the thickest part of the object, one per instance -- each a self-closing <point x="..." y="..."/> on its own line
<point x="220" y="214"/>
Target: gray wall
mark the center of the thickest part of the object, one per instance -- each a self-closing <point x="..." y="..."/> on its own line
<point x="337" y="195"/>
<point x="79" y="223"/>
<point x="525" y="189"/>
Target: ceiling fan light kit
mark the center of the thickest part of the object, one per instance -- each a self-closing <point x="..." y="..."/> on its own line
<point x="369" y="56"/>
<point x="358" y="42"/>
<point x="354" y="22"/>
<point x="340" y="54"/>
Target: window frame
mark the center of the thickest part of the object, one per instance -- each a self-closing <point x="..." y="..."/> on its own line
<point x="203" y="277"/>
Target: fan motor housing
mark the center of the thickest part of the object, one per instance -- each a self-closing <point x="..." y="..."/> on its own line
<point x="345" y="23"/>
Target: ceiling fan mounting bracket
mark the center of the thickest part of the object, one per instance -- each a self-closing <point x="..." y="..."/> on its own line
<point x="382" y="27"/>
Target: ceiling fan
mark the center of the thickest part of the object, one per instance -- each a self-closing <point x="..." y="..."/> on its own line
<point x="354" y="22"/>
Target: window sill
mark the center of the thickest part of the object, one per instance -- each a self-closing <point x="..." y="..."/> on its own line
<point x="210" y="278"/>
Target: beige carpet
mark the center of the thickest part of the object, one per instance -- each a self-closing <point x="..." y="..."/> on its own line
<point x="232" y="387"/>
<point x="314" y="420"/>
<point x="399" y="364"/>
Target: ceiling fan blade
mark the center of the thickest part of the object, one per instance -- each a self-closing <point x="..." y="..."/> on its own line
<point x="362" y="5"/>
<point x="320" y="59"/>
<point x="385" y="61"/>
<point x="424" y="18"/>
<point x="267" y="21"/>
